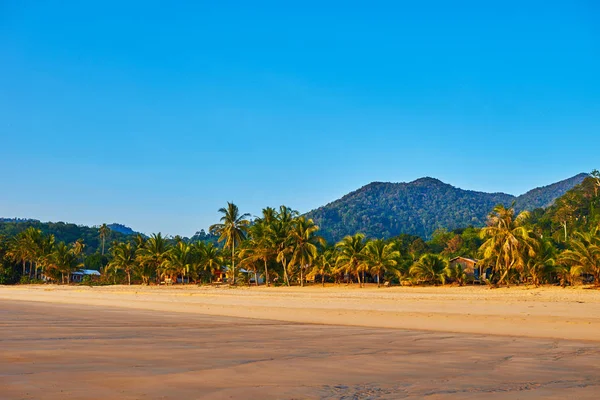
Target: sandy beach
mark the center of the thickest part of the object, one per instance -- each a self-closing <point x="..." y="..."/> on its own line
<point x="291" y="343"/>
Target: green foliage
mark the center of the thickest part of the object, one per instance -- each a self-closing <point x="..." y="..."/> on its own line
<point x="63" y="232"/>
<point x="384" y="210"/>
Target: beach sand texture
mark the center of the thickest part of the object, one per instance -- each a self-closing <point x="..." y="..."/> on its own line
<point x="293" y="343"/>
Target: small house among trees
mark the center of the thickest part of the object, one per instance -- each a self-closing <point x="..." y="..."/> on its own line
<point x="468" y="265"/>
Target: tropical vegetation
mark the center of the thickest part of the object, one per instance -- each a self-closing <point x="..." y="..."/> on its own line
<point x="557" y="245"/>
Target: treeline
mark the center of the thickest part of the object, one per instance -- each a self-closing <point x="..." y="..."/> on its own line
<point x="558" y="245"/>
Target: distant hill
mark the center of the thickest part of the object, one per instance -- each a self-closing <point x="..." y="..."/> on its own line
<point x="420" y="207"/>
<point x="125" y="230"/>
<point x="64" y="232"/>
<point x="545" y="196"/>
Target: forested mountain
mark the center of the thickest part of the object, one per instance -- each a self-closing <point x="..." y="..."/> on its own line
<point x="383" y="210"/>
<point x="545" y="196"/>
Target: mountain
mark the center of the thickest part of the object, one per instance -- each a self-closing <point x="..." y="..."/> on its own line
<point x="382" y="209"/>
<point x="545" y="196"/>
<point x="125" y="230"/>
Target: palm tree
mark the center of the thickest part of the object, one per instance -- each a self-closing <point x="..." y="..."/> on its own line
<point x="178" y="260"/>
<point x="507" y="241"/>
<point x="123" y="259"/>
<point x="455" y="273"/>
<point x="350" y="257"/>
<point x="429" y="268"/>
<point x="323" y="264"/>
<point x="380" y="257"/>
<point x="543" y="264"/>
<point x="281" y="236"/>
<point x="45" y="249"/>
<point x="232" y="230"/>
<point x="261" y="246"/>
<point x="584" y="254"/>
<point x="104" y="231"/>
<point x="151" y="255"/>
<point x="208" y="257"/>
<point x="64" y="260"/>
<point x="304" y="242"/>
<point x="18" y="250"/>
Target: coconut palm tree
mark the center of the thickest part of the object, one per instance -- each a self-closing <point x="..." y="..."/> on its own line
<point x="429" y="268"/>
<point x="540" y="267"/>
<point x="232" y="230"/>
<point x="18" y="251"/>
<point x="123" y="259"/>
<point x="45" y="249"/>
<point x="508" y="241"/>
<point x="584" y="253"/>
<point x="64" y="260"/>
<point x="280" y="228"/>
<point x="350" y="257"/>
<point x="261" y="245"/>
<point x="380" y="257"/>
<point x="208" y="257"/>
<point x="104" y="231"/>
<point x="178" y="261"/>
<point x="455" y="273"/>
<point x="303" y="242"/>
<point x="151" y="255"/>
<point x="323" y="264"/>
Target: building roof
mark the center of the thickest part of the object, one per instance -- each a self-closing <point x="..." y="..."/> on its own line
<point x="86" y="272"/>
<point x="464" y="258"/>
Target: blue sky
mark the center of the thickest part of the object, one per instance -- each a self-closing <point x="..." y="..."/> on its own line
<point x="154" y="115"/>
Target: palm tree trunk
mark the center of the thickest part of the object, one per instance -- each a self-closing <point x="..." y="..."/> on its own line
<point x="266" y="273"/>
<point x="378" y="280"/>
<point x="358" y="277"/>
<point x="233" y="262"/>
<point x="287" y="279"/>
<point x="24" y="267"/>
<point x="129" y="278"/>
<point x="301" y="276"/>
<point x="323" y="279"/>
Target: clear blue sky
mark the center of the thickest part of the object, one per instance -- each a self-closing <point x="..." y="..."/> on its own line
<point x="154" y="115"/>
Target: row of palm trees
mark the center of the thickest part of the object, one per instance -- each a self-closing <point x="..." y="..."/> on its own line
<point x="284" y="247"/>
<point x="40" y="254"/>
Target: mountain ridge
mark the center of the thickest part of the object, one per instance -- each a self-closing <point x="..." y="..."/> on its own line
<point x="419" y="207"/>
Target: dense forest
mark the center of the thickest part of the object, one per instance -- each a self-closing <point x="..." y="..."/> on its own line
<point x="384" y="210"/>
<point x="557" y="245"/>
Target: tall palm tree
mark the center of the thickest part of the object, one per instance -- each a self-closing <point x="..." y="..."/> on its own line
<point x="123" y="259"/>
<point x="429" y="268"/>
<point x="380" y="257"/>
<point x="350" y="257"/>
<point x="508" y="241"/>
<point x="104" y="231"/>
<point x="584" y="253"/>
<point x="304" y="241"/>
<point x="151" y="255"/>
<point x="261" y="246"/>
<point x="45" y="250"/>
<point x="232" y="230"/>
<point x="281" y="237"/>
<point x="18" y="251"/>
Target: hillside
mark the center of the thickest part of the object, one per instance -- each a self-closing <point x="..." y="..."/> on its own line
<point x="545" y="196"/>
<point x="420" y="207"/>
